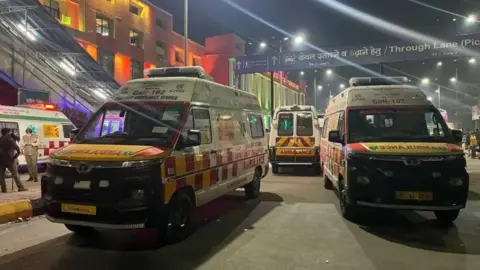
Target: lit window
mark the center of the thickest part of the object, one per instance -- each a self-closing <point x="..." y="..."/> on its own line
<point x="136" y="39"/>
<point x="104" y="26"/>
<point x="196" y="61"/>
<point x="53" y="7"/>
<point x="178" y="57"/>
<point x="135" y="10"/>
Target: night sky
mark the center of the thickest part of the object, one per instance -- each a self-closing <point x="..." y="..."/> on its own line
<point x="326" y="28"/>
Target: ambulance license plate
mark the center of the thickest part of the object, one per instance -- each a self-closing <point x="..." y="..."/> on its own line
<point x="79" y="209"/>
<point x="414" y="196"/>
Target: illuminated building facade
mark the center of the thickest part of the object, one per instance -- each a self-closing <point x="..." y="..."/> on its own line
<point x="128" y="36"/>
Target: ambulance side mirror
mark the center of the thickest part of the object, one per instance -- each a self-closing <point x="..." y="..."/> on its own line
<point x="194" y="138"/>
<point x="334" y="136"/>
<point x="73" y="133"/>
<point x="457" y="135"/>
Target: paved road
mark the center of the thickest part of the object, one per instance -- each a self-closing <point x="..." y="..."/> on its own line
<point x="295" y="225"/>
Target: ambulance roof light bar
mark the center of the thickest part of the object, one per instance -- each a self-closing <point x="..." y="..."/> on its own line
<point x="195" y="71"/>
<point x="42" y="106"/>
<point x="364" y="81"/>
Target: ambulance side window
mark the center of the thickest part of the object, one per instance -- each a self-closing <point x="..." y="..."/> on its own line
<point x="13" y="126"/>
<point x="325" y="128"/>
<point x="341" y="125"/>
<point x="199" y="119"/>
<point x="256" y="126"/>
<point x="67" y="128"/>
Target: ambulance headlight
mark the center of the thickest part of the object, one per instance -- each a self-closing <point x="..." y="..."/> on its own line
<point x="140" y="163"/>
<point x="58" y="162"/>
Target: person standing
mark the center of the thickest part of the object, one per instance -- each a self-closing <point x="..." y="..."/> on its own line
<point x="473" y="145"/>
<point x="9" y="152"/>
<point x="30" y="151"/>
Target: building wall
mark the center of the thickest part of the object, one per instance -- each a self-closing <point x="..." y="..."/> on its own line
<point x="153" y="23"/>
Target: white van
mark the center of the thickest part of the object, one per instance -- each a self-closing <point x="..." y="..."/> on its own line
<point x="179" y="142"/>
<point x="295" y="137"/>
<point x="386" y="146"/>
<point x="51" y="126"/>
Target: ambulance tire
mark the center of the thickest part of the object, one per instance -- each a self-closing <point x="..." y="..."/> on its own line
<point x="274" y="168"/>
<point x="177" y="225"/>
<point x="252" y="189"/>
<point x="349" y="211"/>
<point x="446" y="217"/>
<point x="79" y="230"/>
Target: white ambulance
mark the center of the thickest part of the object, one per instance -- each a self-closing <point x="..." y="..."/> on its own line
<point x="51" y="126"/>
<point x="295" y="138"/>
<point x="175" y="142"/>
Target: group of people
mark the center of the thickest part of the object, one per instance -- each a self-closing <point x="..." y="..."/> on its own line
<point x="9" y="152"/>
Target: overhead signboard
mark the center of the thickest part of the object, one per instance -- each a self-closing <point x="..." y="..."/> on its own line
<point x="361" y="55"/>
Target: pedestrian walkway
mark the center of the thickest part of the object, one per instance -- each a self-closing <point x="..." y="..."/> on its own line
<point x="32" y="193"/>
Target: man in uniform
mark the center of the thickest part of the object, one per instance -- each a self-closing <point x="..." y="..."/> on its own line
<point x="30" y="150"/>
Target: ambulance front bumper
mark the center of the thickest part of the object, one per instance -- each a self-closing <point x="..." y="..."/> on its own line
<point x="132" y="199"/>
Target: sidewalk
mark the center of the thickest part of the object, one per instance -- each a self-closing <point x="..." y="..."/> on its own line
<point x="25" y="204"/>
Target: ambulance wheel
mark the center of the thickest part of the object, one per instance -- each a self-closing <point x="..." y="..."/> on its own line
<point x="447" y="217"/>
<point x="79" y="230"/>
<point x="349" y="211"/>
<point x="252" y="189"/>
<point x="178" y="224"/>
<point x="274" y="168"/>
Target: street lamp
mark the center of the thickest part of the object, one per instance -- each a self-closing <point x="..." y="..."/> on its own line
<point x="329" y="72"/>
<point x="302" y="73"/>
<point x="299" y="39"/>
<point x="425" y="81"/>
<point x="439" y="64"/>
<point x="429" y="98"/>
<point x="319" y="88"/>
<point x="472" y="18"/>
<point x="263" y="45"/>
<point x="472" y="61"/>
<point x="285" y="38"/>
<point x="342" y="86"/>
<point x="453" y="80"/>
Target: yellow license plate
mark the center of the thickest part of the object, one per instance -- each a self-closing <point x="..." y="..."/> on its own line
<point x="79" y="209"/>
<point x="414" y="196"/>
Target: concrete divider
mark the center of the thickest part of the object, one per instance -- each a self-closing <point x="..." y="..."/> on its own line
<point x="11" y="211"/>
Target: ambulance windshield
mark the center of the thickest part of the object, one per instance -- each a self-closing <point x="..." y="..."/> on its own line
<point x="137" y="123"/>
<point x="397" y="125"/>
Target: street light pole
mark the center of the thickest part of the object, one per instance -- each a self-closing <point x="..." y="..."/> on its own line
<point x="185" y="30"/>
<point x="439" y="96"/>
<point x="315" y="92"/>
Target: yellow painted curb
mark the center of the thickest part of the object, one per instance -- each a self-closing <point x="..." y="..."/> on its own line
<point x="13" y="210"/>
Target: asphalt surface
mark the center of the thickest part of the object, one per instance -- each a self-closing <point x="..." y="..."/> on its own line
<point x="294" y="225"/>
